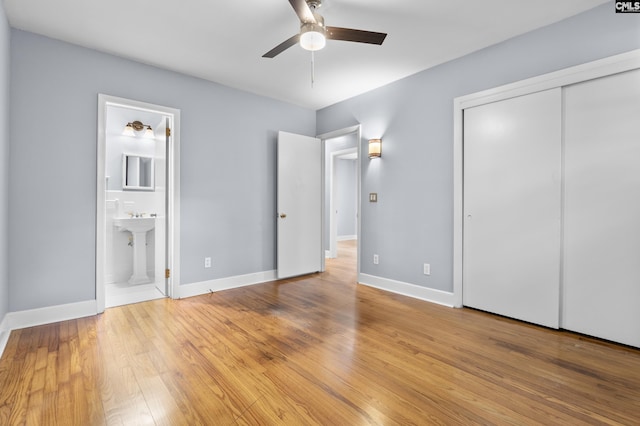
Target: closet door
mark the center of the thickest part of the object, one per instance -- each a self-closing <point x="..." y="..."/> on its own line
<point x="512" y="207"/>
<point x="602" y="208"/>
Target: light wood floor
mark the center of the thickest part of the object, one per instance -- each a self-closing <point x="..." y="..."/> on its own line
<point x="312" y="350"/>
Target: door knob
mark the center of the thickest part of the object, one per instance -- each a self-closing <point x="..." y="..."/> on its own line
<point x="283" y="215"/>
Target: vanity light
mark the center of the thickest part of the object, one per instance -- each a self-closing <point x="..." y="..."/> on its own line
<point x="137" y="126"/>
<point x="375" y="148"/>
<point x="128" y="130"/>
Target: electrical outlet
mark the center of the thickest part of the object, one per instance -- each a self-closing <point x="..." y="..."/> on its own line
<point x="427" y="269"/>
<point x="376" y="259"/>
<point x="207" y="262"/>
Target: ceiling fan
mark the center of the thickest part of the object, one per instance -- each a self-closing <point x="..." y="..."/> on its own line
<point x="313" y="33"/>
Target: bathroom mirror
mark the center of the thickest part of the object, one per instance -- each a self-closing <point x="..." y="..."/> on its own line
<point x="137" y="173"/>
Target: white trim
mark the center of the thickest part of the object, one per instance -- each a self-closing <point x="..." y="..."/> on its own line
<point x="346" y="237"/>
<point x="577" y="74"/>
<point x="51" y="314"/>
<point x="589" y="71"/>
<point x="204" y="287"/>
<point x="173" y="237"/>
<point x="101" y="203"/>
<point x="458" y="212"/>
<point x="173" y="188"/>
<point x="5" y="332"/>
<point x="411" y="290"/>
<point x="340" y="132"/>
<point x="323" y="203"/>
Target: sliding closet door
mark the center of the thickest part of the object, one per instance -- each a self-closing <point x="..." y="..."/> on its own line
<point x="512" y="207"/>
<point x="602" y="208"/>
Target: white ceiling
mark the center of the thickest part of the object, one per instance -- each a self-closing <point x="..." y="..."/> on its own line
<point x="224" y="40"/>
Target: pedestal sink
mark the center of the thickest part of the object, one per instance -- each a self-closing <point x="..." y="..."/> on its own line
<point x="138" y="226"/>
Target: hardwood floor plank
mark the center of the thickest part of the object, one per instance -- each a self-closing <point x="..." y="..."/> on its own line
<point x="162" y="406"/>
<point x="23" y="383"/>
<point x="318" y="349"/>
<point x="49" y="414"/>
<point x="51" y="373"/>
<point x="80" y="403"/>
<point x="5" y="414"/>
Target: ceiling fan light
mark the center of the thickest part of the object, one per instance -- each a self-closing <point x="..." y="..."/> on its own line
<point x="312" y="37"/>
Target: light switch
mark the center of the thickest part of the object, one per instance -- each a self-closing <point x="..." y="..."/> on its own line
<point x="373" y="197"/>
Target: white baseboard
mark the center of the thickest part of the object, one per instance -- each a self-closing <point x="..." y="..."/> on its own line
<point x="51" y="314"/>
<point x="204" y="287"/>
<point x="41" y="316"/>
<point x="417" y="292"/>
<point x="346" y="237"/>
<point x="5" y="331"/>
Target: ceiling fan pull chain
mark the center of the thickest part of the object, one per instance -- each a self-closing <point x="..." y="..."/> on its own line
<point x="312" y="68"/>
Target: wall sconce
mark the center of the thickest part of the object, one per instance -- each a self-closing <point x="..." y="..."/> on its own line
<point x="375" y="148"/>
<point x="138" y="126"/>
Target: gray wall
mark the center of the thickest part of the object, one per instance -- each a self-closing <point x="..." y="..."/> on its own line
<point x="412" y="222"/>
<point x="228" y="147"/>
<point x="4" y="163"/>
<point x="346" y="193"/>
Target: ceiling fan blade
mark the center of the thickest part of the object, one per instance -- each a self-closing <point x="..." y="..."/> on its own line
<point x="282" y="47"/>
<point x="358" y="36"/>
<point x="303" y="11"/>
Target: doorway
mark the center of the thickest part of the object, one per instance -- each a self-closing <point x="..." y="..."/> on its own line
<point x="341" y="212"/>
<point x="137" y="202"/>
<point x="342" y="195"/>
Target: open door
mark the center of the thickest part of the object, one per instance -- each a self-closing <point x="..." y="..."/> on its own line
<point x="299" y="204"/>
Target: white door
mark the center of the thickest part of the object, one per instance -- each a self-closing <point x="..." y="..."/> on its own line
<point x="512" y="207"/>
<point x="299" y="213"/>
<point x="602" y="208"/>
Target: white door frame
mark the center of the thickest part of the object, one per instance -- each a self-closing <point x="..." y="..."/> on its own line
<point x="591" y="70"/>
<point x="357" y="129"/>
<point x="333" y="226"/>
<point x="173" y="190"/>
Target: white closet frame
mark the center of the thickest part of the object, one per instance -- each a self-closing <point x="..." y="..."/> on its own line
<point x="601" y="68"/>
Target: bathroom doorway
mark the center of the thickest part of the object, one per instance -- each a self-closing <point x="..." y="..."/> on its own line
<point x="137" y="202"/>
